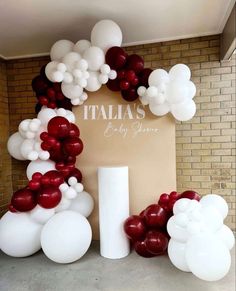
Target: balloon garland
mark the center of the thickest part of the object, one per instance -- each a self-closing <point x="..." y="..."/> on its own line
<point x="51" y="211"/>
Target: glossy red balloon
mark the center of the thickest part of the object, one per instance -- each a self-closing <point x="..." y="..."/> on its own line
<point x="59" y="127"/>
<point x="116" y="57"/>
<point x="134" y="227"/>
<point x="190" y="194"/>
<point x="143" y="77"/>
<point x="141" y="249"/>
<point x="130" y="94"/>
<point x="37" y="176"/>
<point x="135" y="63"/>
<point x="113" y="85"/>
<point x="124" y="85"/>
<point x="53" y="178"/>
<point x="23" y="200"/>
<point x="49" y="197"/>
<point x="73" y="146"/>
<point x="121" y="74"/>
<point x="156" y="242"/>
<point x="74" y="130"/>
<point x="130" y="75"/>
<point x="156" y="216"/>
<point x="34" y="185"/>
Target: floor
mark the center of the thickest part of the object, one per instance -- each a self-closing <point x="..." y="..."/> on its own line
<point x="93" y="272"/>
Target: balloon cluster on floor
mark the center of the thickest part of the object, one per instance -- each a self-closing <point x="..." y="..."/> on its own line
<point x="190" y="229"/>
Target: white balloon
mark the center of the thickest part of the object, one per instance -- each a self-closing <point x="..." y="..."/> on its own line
<point x="63" y="205"/>
<point x="39" y="166"/>
<point x="60" y="49"/>
<point x="105" y="69"/>
<point x="41" y="215"/>
<point x="180" y="72"/>
<point x="105" y="34"/>
<point x="27" y="148"/>
<point x="66" y="237"/>
<point x="14" y="145"/>
<point x="158" y="77"/>
<point x="159" y="110"/>
<point x="184" y="111"/>
<point x="176" y="253"/>
<point x="181" y="205"/>
<point x="57" y="76"/>
<point x="45" y="114"/>
<point x="216" y="201"/>
<point x="152" y="92"/>
<point x="93" y="82"/>
<point x="83" y="204"/>
<point x="50" y="69"/>
<point x="19" y="234"/>
<point x="207" y="257"/>
<point x="191" y="89"/>
<point x="212" y="218"/>
<point x="67" y="78"/>
<point x="144" y="100"/>
<point x="103" y="79"/>
<point x="177" y="232"/>
<point x="70" y="60"/>
<point x="71" y="90"/>
<point x="112" y="75"/>
<point x="141" y="91"/>
<point x="82" y="65"/>
<point x="177" y="92"/>
<point x="70" y="193"/>
<point x="95" y="58"/>
<point x="226" y="235"/>
<point x="81" y="46"/>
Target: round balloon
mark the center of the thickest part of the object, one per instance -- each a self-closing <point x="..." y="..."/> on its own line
<point x="81" y="46"/>
<point x="14" y="146"/>
<point x="66" y="237"/>
<point x="95" y="58"/>
<point x="216" y="201"/>
<point x="39" y="166"/>
<point x="60" y="49"/>
<point x="83" y="204"/>
<point x="184" y="111"/>
<point x="176" y="253"/>
<point x="41" y="215"/>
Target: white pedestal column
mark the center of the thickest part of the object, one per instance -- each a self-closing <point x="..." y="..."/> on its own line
<point x="113" y="191"/>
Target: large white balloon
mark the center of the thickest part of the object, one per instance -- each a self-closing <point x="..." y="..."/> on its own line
<point x="226" y="235"/>
<point x="14" y="145"/>
<point x="41" y="215"/>
<point x="176" y="231"/>
<point x="180" y="72"/>
<point x="159" y="110"/>
<point x="60" y="49"/>
<point x="105" y="34"/>
<point x="207" y="257"/>
<point x="95" y="58"/>
<point x="81" y="46"/>
<point x="184" y="111"/>
<point x="158" y="77"/>
<point x="39" y="166"/>
<point x="176" y="253"/>
<point x="71" y="90"/>
<point x="66" y="237"/>
<point x="216" y="201"/>
<point x="19" y="234"/>
<point x="83" y="204"/>
<point x="93" y="83"/>
<point x="177" y="92"/>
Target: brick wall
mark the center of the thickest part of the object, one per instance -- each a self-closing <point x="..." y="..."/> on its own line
<point x="205" y="145"/>
<point x="5" y="160"/>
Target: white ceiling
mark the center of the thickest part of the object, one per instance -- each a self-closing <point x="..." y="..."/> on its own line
<point x="30" y="27"/>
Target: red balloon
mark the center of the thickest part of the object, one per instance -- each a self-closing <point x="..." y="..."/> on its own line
<point x="130" y="75"/>
<point x="23" y="200"/>
<point x="51" y="94"/>
<point x="52" y="105"/>
<point x="130" y="94"/>
<point x="190" y="194"/>
<point x="155" y="216"/>
<point x="73" y="146"/>
<point x="58" y="127"/>
<point x="124" y="85"/>
<point x="116" y="57"/>
<point x="49" y="197"/>
<point x="134" y="227"/>
<point x="37" y="176"/>
<point x="65" y="103"/>
<point x="143" y="77"/>
<point x="113" y="85"/>
<point x="74" y="130"/>
<point x="43" y="100"/>
<point x="121" y="74"/>
<point x="141" y="249"/>
<point x="44" y="136"/>
<point x="34" y="185"/>
<point x="59" y="96"/>
<point x="134" y="82"/>
<point x="174" y="195"/>
<point x="40" y="85"/>
<point x="57" y="87"/>
<point x="77" y="174"/>
<point x="135" y="63"/>
<point x="65" y="172"/>
<point x="156" y="242"/>
<point x="53" y="178"/>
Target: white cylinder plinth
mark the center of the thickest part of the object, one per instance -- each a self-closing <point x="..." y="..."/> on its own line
<point x="113" y="192"/>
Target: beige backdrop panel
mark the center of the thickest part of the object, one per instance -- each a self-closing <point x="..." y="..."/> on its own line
<point x="146" y="146"/>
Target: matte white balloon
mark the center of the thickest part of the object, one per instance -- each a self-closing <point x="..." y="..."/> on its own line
<point x="93" y="83"/>
<point x="212" y="218"/>
<point x="177" y="92"/>
<point x="83" y="204"/>
<point x="71" y="90"/>
<point x="159" y="110"/>
<point x="177" y="232"/>
<point x="27" y="148"/>
<point x="70" y="60"/>
<point x="95" y="58"/>
<point x="81" y="46"/>
<point x="39" y="166"/>
<point x="191" y="89"/>
<point x="45" y="114"/>
<point x="50" y="69"/>
<point x="63" y="205"/>
<point x="157" y="77"/>
<point x="19" y="234"/>
<point x="41" y="215"/>
<point x="60" y="49"/>
<point x="105" y="34"/>
<point x="226" y="235"/>
<point x="14" y="145"/>
<point x="207" y="257"/>
<point x="216" y="201"/>
<point x="184" y="111"/>
<point x="66" y="237"/>
<point x="176" y="253"/>
<point x="180" y="72"/>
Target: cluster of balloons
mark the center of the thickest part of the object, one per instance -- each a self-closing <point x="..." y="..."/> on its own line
<point x="147" y="231"/>
<point x="170" y="92"/>
<point x="200" y="242"/>
<point x="130" y="73"/>
<point x="49" y="94"/>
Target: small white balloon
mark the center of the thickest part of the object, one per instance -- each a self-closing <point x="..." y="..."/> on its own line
<point x="103" y="79"/>
<point x="63" y="187"/>
<point x="26" y="147"/>
<point x="82" y="82"/>
<point x="180" y="72"/>
<point x="41" y="215"/>
<point x="61" y="112"/>
<point x="144" y="100"/>
<point x="60" y="49"/>
<point x="216" y="201"/>
<point x="79" y="187"/>
<point x="176" y="253"/>
<point x="81" y="46"/>
<point x="84" y="96"/>
<point x="158" y="77"/>
<point x="83" y="204"/>
<point x="70" y="193"/>
<point x="112" y="75"/>
<point x="77" y="73"/>
<point x="44" y="155"/>
<point x="14" y="146"/>
<point x="66" y="237"/>
<point x="70" y="60"/>
<point x="152" y="92"/>
<point x="95" y="58"/>
<point x="50" y="69"/>
<point x="72" y="181"/>
<point x="159" y="110"/>
<point x="181" y="205"/>
<point x="39" y="166"/>
<point x="93" y="82"/>
<point x="82" y="65"/>
<point x="141" y="91"/>
<point x="57" y="76"/>
<point x="76" y="101"/>
<point x="105" y="69"/>
<point x="71" y="90"/>
<point x="67" y="78"/>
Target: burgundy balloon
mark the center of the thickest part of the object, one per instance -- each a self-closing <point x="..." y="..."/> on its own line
<point x="130" y="94"/>
<point x="34" y="185"/>
<point x="58" y="127"/>
<point x="190" y="194"/>
<point x="141" y="249"/>
<point x="23" y="200"/>
<point x="156" y="242"/>
<point x="77" y="174"/>
<point x="113" y="85"/>
<point x="53" y="178"/>
<point x="39" y="85"/>
<point x="49" y="196"/>
<point x="135" y="63"/>
<point x="124" y="85"/>
<point x="37" y="176"/>
<point x="74" y="130"/>
<point x="116" y="57"/>
<point x="134" y="227"/>
<point x="143" y="77"/>
<point x="155" y="216"/>
<point x="73" y="146"/>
